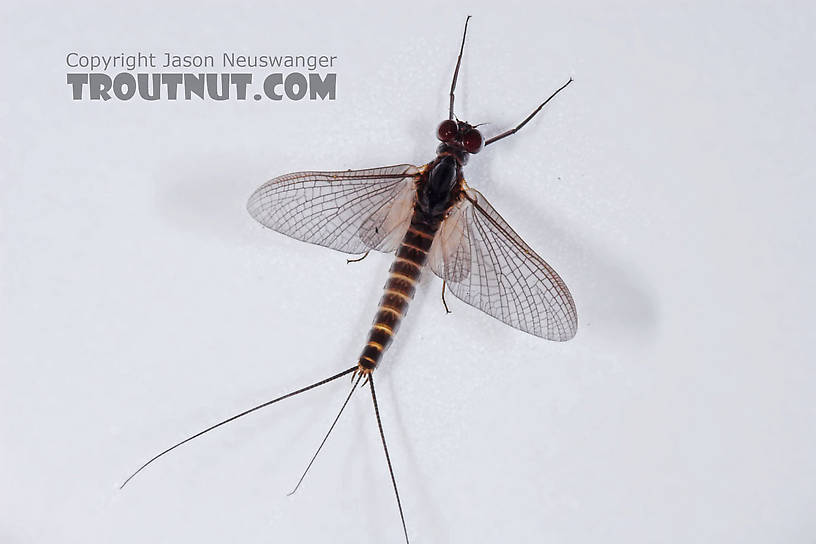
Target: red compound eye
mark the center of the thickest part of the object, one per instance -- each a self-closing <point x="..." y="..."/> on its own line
<point x="472" y="141"/>
<point x="447" y="130"/>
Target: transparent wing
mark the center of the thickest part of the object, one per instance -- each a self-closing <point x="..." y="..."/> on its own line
<point x="351" y="211"/>
<point x="486" y="264"/>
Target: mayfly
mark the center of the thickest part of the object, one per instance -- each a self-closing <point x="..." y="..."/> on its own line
<point x="429" y="216"/>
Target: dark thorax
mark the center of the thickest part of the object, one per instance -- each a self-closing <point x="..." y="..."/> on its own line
<point x="441" y="185"/>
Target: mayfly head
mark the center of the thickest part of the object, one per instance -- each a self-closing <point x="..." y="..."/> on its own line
<point x="460" y="135"/>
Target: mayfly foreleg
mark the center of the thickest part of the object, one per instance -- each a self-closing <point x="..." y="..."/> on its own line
<point x="456" y="71"/>
<point x="512" y="131"/>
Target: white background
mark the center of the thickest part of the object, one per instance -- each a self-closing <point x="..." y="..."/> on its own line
<point x="671" y="186"/>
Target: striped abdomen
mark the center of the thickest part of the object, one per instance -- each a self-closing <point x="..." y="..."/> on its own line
<point x="400" y="287"/>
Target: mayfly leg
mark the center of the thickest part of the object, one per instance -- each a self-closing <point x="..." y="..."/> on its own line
<point x="236" y="416"/>
<point x="512" y="131"/>
<point x="444" y="303"/>
<point x="456" y="71"/>
<point x="358" y="259"/>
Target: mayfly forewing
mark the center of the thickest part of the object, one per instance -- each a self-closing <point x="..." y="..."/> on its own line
<point x="506" y="278"/>
<point x="387" y="223"/>
<point x="450" y="252"/>
<point x="350" y="210"/>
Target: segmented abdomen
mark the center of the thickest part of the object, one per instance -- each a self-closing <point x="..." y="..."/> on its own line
<point x="400" y="287"/>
